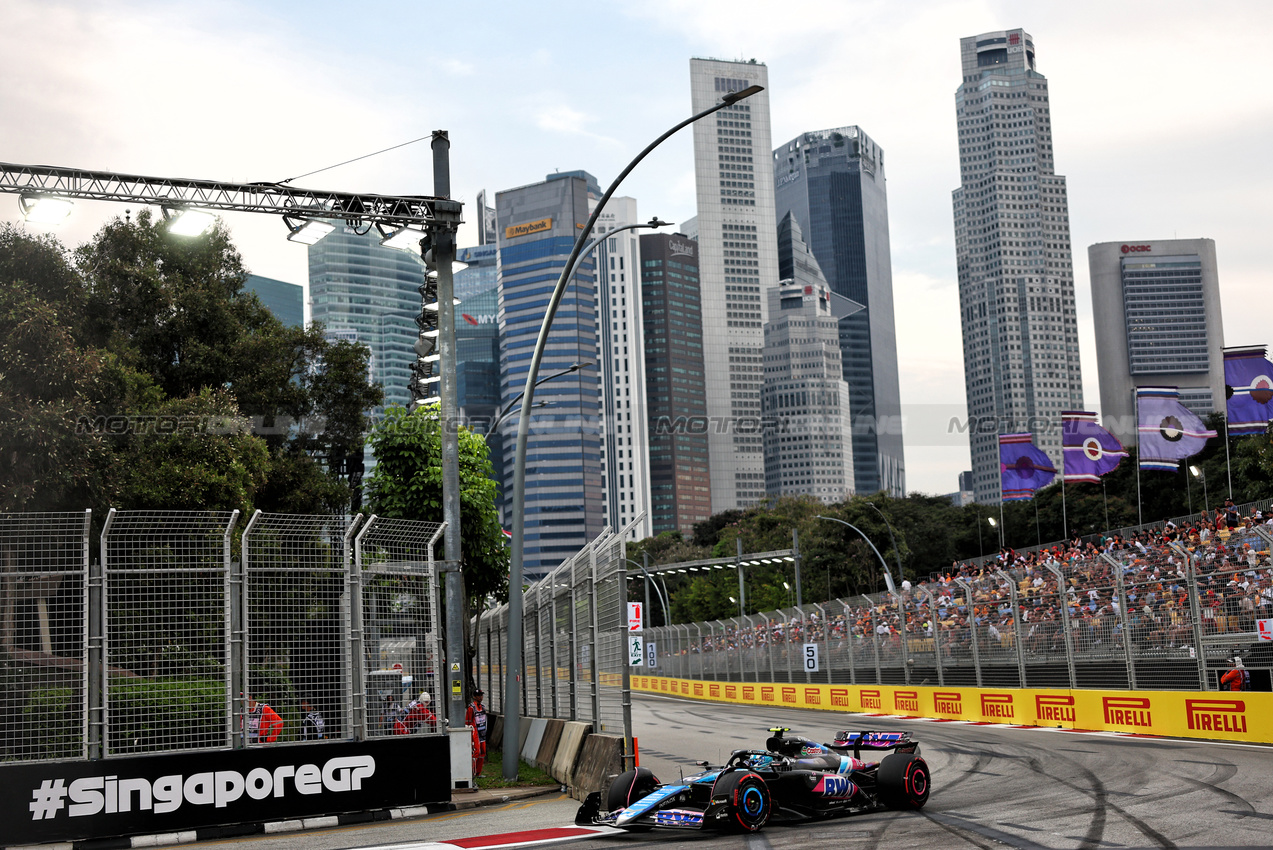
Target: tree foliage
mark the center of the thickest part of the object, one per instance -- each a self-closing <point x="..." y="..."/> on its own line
<point x="407" y="484"/>
<point x="136" y="372"/>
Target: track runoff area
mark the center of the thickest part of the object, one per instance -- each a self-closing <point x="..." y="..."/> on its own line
<point x="993" y="786"/>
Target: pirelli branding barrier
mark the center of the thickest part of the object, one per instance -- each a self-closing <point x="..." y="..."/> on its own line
<point x="1224" y="715"/>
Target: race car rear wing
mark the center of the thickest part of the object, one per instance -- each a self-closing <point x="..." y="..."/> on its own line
<point x="857" y="741"/>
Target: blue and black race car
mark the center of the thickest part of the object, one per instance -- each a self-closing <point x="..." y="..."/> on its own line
<point x="792" y="779"/>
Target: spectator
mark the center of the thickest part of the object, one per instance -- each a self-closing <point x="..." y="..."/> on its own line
<point x="313" y="727"/>
<point x="418" y="716"/>
<point x="263" y="723"/>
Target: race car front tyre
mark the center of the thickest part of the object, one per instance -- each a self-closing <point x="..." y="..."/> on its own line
<point x="903" y="781"/>
<point x="747" y="800"/>
<point x="630" y="786"/>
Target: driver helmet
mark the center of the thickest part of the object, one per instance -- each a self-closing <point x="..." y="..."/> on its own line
<point x="759" y="762"/>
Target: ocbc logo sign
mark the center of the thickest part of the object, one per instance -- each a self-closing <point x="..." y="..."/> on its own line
<point x="1136" y="249"/>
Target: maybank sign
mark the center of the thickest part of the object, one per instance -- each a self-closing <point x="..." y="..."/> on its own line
<point x="527" y="228"/>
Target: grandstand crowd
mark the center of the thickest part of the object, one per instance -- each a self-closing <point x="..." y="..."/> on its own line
<point x="1152" y="590"/>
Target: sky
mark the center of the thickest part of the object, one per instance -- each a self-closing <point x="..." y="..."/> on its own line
<point x="1162" y="117"/>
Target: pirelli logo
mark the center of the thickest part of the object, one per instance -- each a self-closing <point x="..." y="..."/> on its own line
<point x="749" y="692"/>
<point x="527" y="228"/>
<point x="906" y="701"/>
<point x="685" y="688"/>
<point x="1127" y="711"/>
<point x="872" y="699"/>
<point x="789" y="696"/>
<point x="698" y="689"/>
<point x="664" y="684"/>
<point x="948" y="702"/>
<point x="1054" y="707"/>
<point x="731" y="692"/>
<point x="812" y="696"/>
<point x="713" y="690"/>
<point x="998" y="705"/>
<point x="1216" y="715"/>
<point x="766" y="693"/>
<point x="840" y="696"/>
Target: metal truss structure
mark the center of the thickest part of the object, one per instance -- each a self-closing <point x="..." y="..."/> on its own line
<point x="270" y="198"/>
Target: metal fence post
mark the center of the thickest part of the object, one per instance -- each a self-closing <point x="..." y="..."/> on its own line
<point x="95" y="608"/>
<point x="972" y="627"/>
<point x="1195" y="614"/>
<point x="356" y="704"/>
<point x="849" y="638"/>
<point x="1120" y="588"/>
<point x="936" y="624"/>
<point x="595" y="641"/>
<point x="1063" y="602"/>
<point x="1016" y="627"/>
<point x="906" y="653"/>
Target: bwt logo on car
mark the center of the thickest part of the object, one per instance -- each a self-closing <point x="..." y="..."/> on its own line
<point x="1054" y="707"/>
<point x="997" y="705"/>
<point x="1216" y="715"/>
<point x="1127" y="711"/>
<point x="92" y="795"/>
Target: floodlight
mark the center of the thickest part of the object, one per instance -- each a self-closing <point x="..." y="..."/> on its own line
<point x="433" y="305"/>
<point x="404" y="239"/>
<point x="184" y="221"/>
<point x="309" y="231"/>
<point x="991" y="520"/>
<point x="39" y="209"/>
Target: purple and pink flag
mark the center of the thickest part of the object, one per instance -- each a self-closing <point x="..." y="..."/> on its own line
<point x="1089" y="450"/>
<point x="1169" y="432"/>
<point x="1248" y="384"/>
<point x="1023" y="467"/>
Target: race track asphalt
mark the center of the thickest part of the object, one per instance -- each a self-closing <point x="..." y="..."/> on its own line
<point x="992" y="787"/>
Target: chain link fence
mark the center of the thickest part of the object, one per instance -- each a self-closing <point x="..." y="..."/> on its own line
<point x="1163" y="616"/>
<point x="575" y="664"/>
<point x="44" y="563"/>
<point x="156" y="646"/>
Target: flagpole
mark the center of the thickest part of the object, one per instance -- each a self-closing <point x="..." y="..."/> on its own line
<point x="1228" y="469"/>
<point x="1140" y="519"/>
<point x="1065" y="525"/>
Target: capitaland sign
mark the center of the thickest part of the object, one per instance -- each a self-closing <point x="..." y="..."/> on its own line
<point x="527" y="228"/>
<point x="680" y="248"/>
<point x="70" y="801"/>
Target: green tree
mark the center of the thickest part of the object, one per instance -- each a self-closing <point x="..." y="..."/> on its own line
<point x="407" y="484"/>
<point x="49" y="381"/>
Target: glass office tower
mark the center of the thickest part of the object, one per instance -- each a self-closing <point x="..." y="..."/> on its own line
<point x="537" y="226"/>
<point x="832" y="182"/>
<point x="1012" y="243"/>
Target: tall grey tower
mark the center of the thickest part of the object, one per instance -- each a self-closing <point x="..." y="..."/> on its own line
<point x="1012" y="240"/>
<point x="832" y="181"/>
<point x="738" y="262"/>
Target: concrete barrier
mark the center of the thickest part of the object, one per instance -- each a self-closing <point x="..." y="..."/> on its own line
<point x="548" y="745"/>
<point x="534" y="737"/>
<point x="523" y="729"/>
<point x="600" y="757"/>
<point x="572" y="738"/>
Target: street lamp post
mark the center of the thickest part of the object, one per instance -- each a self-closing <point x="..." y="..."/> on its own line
<point x="888" y="575"/>
<point x="896" y="554"/>
<point x="506" y="409"/>
<point x="1201" y="476"/>
<point x="994" y="524"/>
<point x="513" y="717"/>
<point x="648" y="581"/>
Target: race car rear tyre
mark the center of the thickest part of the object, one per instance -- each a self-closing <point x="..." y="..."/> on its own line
<point x="630" y="786"/>
<point x="903" y="780"/>
<point x="748" y="800"/>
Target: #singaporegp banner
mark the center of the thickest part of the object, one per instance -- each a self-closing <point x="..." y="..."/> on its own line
<point x="1221" y="715"/>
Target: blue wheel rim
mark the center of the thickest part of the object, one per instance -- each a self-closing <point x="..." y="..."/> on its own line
<point x="753" y="802"/>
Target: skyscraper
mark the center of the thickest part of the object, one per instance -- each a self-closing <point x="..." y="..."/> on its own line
<point x="675" y="383"/>
<point x="737" y="264"/>
<point x="1012" y="242"/>
<point x="285" y="300"/>
<point x="537" y="225"/>
<point x="366" y="292"/>
<point x="1156" y="312"/>
<point x="808" y="446"/>
<point x="833" y="182"/>
<point x="477" y="348"/>
<point x="625" y="445"/>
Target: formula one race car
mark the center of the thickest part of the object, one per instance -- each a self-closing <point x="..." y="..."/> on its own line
<point x="792" y="779"/>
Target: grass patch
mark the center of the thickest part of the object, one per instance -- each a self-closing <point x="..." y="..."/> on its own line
<point x="493" y="773"/>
